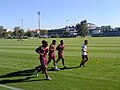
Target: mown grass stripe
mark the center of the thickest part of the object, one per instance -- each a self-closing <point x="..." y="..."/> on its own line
<point x="9" y="87"/>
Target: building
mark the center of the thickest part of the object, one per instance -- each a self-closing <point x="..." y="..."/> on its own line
<point x="112" y="32"/>
<point x="106" y="31"/>
<point x="63" y="32"/>
<point x="55" y="33"/>
<point x="93" y="29"/>
<point x="71" y="30"/>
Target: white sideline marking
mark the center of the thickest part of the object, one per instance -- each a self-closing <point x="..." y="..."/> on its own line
<point x="9" y="87"/>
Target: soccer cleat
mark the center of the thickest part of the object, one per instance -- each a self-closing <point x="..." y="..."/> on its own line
<point x="57" y="69"/>
<point x="36" y="71"/>
<point x="48" y="78"/>
<point x="37" y="74"/>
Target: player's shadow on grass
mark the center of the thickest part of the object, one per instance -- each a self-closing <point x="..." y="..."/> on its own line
<point x="27" y="79"/>
<point x="28" y="72"/>
<point x="52" y="69"/>
<point x="26" y="76"/>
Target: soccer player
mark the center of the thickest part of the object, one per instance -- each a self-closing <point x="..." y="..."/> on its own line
<point x="42" y="51"/>
<point x="52" y="55"/>
<point x="60" y="49"/>
<point x="84" y="53"/>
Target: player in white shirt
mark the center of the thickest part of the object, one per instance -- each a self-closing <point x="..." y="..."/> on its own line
<point x="84" y="53"/>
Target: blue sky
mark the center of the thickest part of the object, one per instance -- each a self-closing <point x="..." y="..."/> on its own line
<point x="54" y="13"/>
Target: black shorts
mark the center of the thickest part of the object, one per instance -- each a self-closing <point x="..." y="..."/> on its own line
<point x="84" y="56"/>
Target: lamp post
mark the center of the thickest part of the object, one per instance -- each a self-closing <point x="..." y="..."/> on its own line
<point x="67" y="25"/>
<point x="22" y="23"/>
<point x="39" y="20"/>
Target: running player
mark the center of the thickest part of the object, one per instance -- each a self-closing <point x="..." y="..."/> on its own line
<point x="60" y="49"/>
<point x="42" y="51"/>
<point x="52" y="55"/>
<point x="84" y="53"/>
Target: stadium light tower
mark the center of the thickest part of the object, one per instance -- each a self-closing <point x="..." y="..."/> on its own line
<point x="22" y="23"/>
<point x="39" y="20"/>
<point x="67" y="23"/>
<point x="67" y="26"/>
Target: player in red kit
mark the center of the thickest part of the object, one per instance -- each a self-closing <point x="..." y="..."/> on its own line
<point x="42" y="51"/>
<point x="52" y="55"/>
<point x="60" y="49"/>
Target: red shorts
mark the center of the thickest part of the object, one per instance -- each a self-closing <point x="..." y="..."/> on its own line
<point x="43" y="61"/>
<point x="60" y="55"/>
<point x="52" y="56"/>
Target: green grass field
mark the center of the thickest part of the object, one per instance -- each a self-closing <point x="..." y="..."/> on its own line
<point x="102" y="71"/>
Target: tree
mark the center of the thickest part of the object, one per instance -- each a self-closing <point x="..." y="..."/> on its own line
<point x="2" y="32"/>
<point x="43" y="32"/>
<point x="18" y="32"/>
<point x="5" y="34"/>
<point x="82" y="28"/>
<point x="10" y="34"/>
<point x="29" y="33"/>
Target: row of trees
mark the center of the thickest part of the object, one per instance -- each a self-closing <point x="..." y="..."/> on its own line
<point x="17" y="31"/>
<point x="82" y="29"/>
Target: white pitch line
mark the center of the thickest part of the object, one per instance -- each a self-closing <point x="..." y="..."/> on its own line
<point x="9" y="87"/>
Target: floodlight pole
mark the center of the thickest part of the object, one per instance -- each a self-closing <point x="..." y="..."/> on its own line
<point x="22" y="23"/>
<point x="39" y="20"/>
<point x="67" y="23"/>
